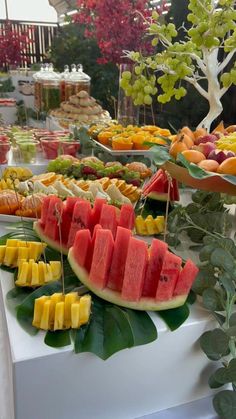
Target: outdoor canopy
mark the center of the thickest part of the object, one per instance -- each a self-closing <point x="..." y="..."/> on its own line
<point x="63" y="6"/>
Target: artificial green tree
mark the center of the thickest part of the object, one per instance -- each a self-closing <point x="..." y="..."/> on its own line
<point x="204" y="59"/>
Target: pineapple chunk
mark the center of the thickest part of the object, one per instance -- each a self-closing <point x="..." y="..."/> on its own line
<point x="44" y="322"/>
<point x="151" y="226"/>
<point x="56" y="269"/>
<point x="160" y="223"/>
<point x="2" y="253"/>
<point x="33" y="274"/>
<point x="23" y="253"/>
<point x="59" y="312"/>
<point x="12" y="242"/>
<point x="36" y="249"/>
<point x="69" y="300"/>
<point x="59" y="316"/>
<point x="84" y="308"/>
<point x="10" y="256"/>
<point x="140" y="225"/>
<point x="38" y="310"/>
<point x="75" y="316"/>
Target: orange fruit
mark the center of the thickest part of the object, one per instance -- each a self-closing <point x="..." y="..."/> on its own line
<point x="220" y="128"/>
<point x="193" y="156"/>
<point x="209" y="165"/>
<point x="186" y="139"/>
<point x="228" y="166"/>
<point x="200" y="132"/>
<point x="45" y="178"/>
<point x="188" y="132"/>
<point x="177" y="147"/>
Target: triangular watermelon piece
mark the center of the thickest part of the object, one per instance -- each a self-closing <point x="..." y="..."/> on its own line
<point x="135" y="269"/>
<point x="156" y="257"/>
<point x="127" y="216"/>
<point x="117" y="270"/>
<point x="102" y="256"/>
<point x="67" y="214"/>
<point x="96" y="211"/>
<point x="108" y="219"/>
<point x="82" y="248"/>
<point x="186" y="278"/>
<point x="80" y="219"/>
<point x="157" y="187"/>
<point x="168" y="277"/>
<point x="54" y="209"/>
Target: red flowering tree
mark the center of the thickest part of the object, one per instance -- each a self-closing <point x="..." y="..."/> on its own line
<point x="14" y="45"/>
<point x="117" y="25"/>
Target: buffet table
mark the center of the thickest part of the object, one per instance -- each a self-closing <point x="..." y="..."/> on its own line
<point x="43" y="382"/>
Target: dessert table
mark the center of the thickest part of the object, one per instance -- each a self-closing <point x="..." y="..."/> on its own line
<point x="43" y="382"/>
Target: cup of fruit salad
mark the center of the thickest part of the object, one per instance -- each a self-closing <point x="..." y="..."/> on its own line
<point x="27" y="150"/>
<point x="70" y="148"/>
<point x="51" y="147"/>
<point x="4" y="151"/>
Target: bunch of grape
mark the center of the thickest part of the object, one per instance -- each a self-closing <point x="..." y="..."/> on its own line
<point x="141" y="88"/>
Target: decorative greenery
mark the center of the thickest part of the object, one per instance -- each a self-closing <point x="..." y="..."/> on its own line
<point x="206" y="221"/>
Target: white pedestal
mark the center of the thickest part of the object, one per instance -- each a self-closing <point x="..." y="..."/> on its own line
<point x="50" y="383"/>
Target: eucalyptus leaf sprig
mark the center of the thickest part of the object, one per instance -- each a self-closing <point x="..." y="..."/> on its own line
<point x="207" y="222"/>
<point x="206" y="215"/>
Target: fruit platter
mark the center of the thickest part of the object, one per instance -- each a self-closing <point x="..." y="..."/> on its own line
<point x="201" y="160"/>
<point x="115" y="137"/>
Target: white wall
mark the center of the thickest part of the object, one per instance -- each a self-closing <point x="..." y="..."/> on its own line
<point x="30" y="10"/>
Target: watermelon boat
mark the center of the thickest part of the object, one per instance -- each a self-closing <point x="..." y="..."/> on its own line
<point x="125" y="272"/>
<point x="77" y="214"/>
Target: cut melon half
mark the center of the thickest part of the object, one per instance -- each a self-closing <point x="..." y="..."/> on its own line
<point x="170" y="284"/>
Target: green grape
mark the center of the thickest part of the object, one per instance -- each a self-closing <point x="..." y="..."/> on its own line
<point x="123" y="83"/>
<point x="147" y="100"/>
<point x="126" y="75"/>
<point x="155" y="42"/>
<point x="155" y="15"/>
<point x="148" y="89"/>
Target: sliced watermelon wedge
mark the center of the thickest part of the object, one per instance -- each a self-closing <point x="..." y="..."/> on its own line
<point x="98" y="279"/>
<point x="77" y="214"/>
<point x="157" y="187"/>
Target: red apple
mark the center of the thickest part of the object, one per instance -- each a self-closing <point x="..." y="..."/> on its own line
<point x="220" y="155"/>
<point x="205" y="148"/>
<point x="209" y="138"/>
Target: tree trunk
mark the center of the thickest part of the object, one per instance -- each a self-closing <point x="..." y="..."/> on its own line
<point x="214" y="91"/>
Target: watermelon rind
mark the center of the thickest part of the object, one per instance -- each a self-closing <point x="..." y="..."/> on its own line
<point x="144" y="304"/>
<point x="52" y="243"/>
<point x="158" y="196"/>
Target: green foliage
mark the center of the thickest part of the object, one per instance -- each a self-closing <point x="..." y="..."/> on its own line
<point x="71" y="46"/>
<point x="6" y="86"/>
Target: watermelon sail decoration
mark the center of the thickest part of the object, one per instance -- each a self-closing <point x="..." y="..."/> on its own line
<point x="78" y="214"/>
<point x="125" y="272"/>
<point x="157" y="187"/>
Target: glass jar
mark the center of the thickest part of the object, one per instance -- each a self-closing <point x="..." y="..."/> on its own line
<point x="38" y="79"/>
<point x="77" y="81"/>
<point x="50" y="90"/>
<point x="128" y="113"/>
<point x="64" y="76"/>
